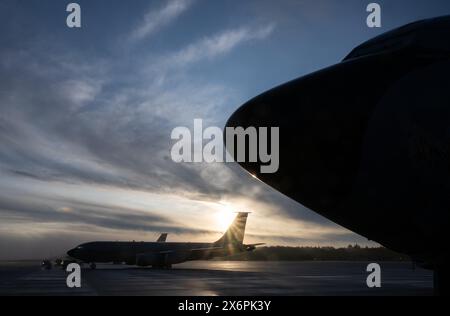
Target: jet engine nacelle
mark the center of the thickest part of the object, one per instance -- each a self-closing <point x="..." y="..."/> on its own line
<point x="144" y="260"/>
<point x="159" y="259"/>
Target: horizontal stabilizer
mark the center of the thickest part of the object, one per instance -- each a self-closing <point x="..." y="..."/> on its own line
<point x="251" y="247"/>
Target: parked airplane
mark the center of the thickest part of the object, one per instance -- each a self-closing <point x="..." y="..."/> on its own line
<point x="164" y="254"/>
<point x="48" y="263"/>
<point x="366" y="143"/>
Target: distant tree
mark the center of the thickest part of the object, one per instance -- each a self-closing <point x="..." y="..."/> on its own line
<point x="351" y="253"/>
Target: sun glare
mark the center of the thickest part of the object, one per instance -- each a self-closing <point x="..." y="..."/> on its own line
<point x="224" y="217"/>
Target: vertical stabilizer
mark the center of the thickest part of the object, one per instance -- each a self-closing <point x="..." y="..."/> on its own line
<point x="235" y="233"/>
<point x="162" y="238"/>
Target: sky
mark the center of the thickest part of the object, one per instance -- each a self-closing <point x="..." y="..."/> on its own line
<point x="86" y="115"/>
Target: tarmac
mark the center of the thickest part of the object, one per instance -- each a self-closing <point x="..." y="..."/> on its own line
<point x="219" y="278"/>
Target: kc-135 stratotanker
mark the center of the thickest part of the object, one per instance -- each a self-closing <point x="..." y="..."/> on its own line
<point x="366" y="142"/>
<point x="163" y="254"/>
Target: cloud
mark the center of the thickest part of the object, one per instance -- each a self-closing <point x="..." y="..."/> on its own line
<point x="85" y="143"/>
<point x="121" y="143"/>
<point x="80" y="92"/>
<point x="217" y="45"/>
<point x="78" y="212"/>
<point x="154" y="20"/>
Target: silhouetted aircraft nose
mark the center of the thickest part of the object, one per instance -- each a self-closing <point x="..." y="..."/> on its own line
<point x="322" y="120"/>
<point x="72" y="253"/>
<point x="367" y="136"/>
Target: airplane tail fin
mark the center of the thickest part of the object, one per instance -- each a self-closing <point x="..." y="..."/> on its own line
<point x="235" y="233"/>
<point x="162" y="238"/>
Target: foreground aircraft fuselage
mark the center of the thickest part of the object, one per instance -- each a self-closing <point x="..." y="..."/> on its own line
<point x="164" y="254"/>
<point x="366" y="142"/>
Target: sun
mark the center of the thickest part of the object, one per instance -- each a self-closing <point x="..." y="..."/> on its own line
<point x="224" y="217"/>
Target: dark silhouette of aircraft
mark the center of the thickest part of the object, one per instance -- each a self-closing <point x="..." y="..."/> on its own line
<point x="366" y="142"/>
<point x="63" y="262"/>
<point x="163" y="254"/>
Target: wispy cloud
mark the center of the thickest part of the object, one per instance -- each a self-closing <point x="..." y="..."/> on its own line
<point x="78" y="129"/>
<point x="156" y="19"/>
<point x="219" y="44"/>
<point x="85" y="142"/>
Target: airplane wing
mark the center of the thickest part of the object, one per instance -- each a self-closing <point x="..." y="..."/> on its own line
<point x="162" y="238"/>
<point x="170" y="257"/>
<point x="206" y="249"/>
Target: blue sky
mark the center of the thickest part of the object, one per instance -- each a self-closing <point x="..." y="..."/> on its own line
<point x="86" y="114"/>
